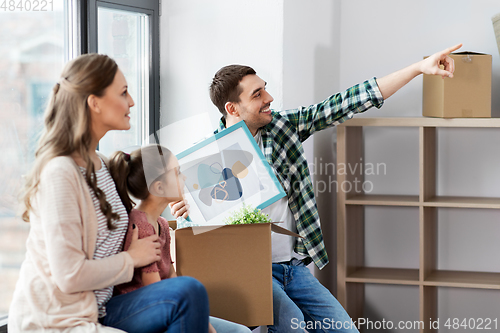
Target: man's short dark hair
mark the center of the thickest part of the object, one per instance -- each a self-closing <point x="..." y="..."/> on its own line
<point x="225" y="85"/>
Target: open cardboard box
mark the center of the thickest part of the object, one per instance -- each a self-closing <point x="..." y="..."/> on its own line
<point x="234" y="264"/>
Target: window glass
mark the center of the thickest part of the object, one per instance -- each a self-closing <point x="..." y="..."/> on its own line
<point x="124" y="36"/>
<point x="33" y="47"/>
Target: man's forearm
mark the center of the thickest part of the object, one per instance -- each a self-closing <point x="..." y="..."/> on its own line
<point x="391" y="83"/>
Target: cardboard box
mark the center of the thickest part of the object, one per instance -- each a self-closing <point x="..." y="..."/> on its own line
<point x="466" y="95"/>
<point x="234" y="264"/>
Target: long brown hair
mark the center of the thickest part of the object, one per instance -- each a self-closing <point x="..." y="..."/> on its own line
<point x="135" y="173"/>
<point x="68" y="124"/>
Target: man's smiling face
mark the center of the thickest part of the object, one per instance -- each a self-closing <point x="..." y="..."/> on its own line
<point x="254" y="104"/>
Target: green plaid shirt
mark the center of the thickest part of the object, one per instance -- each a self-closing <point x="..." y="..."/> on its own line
<point x="282" y="141"/>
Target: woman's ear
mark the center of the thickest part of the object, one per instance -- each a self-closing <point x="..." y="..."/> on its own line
<point x="93" y="103"/>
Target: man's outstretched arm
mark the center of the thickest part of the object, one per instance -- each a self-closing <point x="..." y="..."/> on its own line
<point x="391" y="83"/>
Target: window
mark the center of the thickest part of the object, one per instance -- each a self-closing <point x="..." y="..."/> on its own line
<point x="127" y="31"/>
<point x="31" y="58"/>
<point x="35" y="46"/>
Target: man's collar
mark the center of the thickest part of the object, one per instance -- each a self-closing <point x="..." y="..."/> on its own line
<point x="222" y="125"/>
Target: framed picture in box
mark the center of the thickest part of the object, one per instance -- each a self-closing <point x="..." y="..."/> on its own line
<point x="224" y="172"/>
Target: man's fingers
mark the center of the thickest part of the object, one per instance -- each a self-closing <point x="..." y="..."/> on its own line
<point x="184" y="212"/>
<point x="179" y="212"/>
<point x="453" y="48"/>
<point x="444" y="73"/>
<point x="174" y="204"/>
<point x="449" y="64"/>
<point x="178" y="208"/>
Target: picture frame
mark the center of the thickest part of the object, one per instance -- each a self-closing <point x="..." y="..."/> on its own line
<point x="225" y="172"/>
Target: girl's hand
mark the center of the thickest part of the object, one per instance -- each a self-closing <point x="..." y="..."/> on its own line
<point x="211" y="329"/>
<point x="144" y="251"/>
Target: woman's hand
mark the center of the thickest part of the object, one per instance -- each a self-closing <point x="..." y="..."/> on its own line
<point x="211" y="329"/>
<point x="144" y="251"/>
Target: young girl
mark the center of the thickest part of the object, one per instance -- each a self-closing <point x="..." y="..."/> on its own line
<point x="78" y="222"/>
<point x="152" y="175"/>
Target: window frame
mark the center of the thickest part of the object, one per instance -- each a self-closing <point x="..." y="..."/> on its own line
<point x="88" y="11"/>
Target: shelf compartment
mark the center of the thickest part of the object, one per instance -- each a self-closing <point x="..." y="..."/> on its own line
<point x="380" y="305"/>
<point x="468" y="304"/>
<point x="463" y="279"/>
<point x="387" y="228"/>
<point x="463" y="166"/>
<point x="463" y="202"/>
<point x="384" y="200"/>
<point x="467" y="240"/>
<point x="389" y="166"/>
<point x="384" y="275"/>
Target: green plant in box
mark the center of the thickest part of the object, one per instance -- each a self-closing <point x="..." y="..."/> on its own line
<point x="247" y="215"/>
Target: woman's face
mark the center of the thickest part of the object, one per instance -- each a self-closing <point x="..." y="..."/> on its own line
<point x="112" y="110"/>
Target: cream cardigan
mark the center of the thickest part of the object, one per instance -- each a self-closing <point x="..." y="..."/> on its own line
<point x="54" y="292"/>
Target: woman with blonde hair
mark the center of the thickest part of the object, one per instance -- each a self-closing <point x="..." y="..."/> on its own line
<point x="78" y="222"/>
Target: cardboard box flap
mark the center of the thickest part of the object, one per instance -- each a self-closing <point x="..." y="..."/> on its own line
<point x="468" y="52"/>
<point x="280" y="230"/>
<point x="465" y="53"/>
<point x="201" y="229"/>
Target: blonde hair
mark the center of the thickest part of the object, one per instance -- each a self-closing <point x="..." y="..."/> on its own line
<point x="67" y="123"/>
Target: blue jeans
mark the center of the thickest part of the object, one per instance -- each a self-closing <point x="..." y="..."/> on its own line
<point x="224" y="326"/>
<point x="178" y="304"/>
<point x="301" y="302"/>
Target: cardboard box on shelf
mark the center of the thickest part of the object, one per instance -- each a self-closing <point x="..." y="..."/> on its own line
<point x="234" y="264"/>
<point x="466" y="95"/>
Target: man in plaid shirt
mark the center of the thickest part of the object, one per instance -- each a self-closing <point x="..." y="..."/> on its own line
<point x="299" y="299"/>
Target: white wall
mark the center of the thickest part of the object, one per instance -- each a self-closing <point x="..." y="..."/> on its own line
<point x="199" y="37"/>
